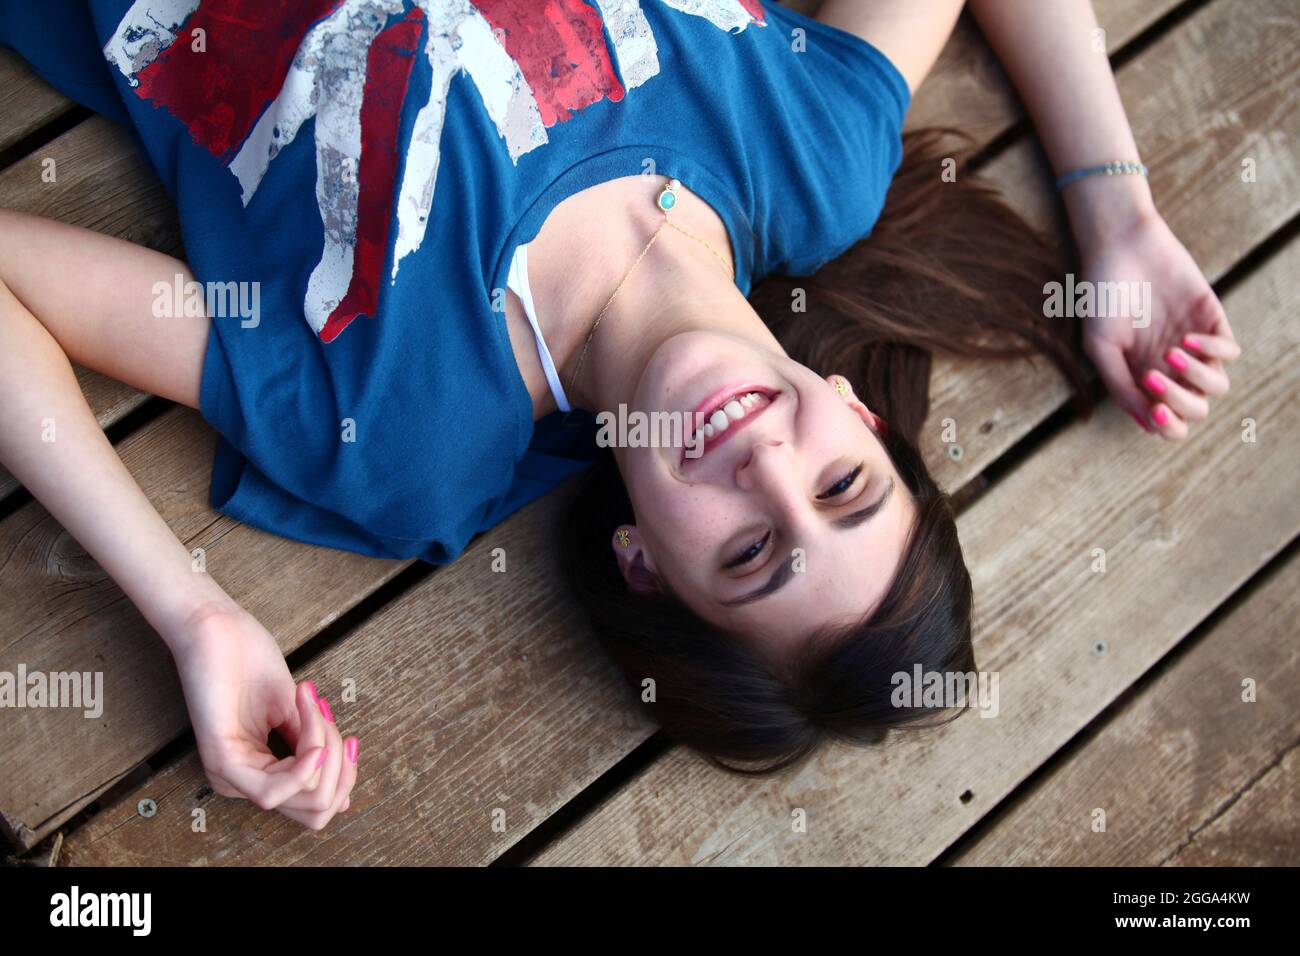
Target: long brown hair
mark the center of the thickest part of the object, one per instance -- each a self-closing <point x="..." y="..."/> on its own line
<point x="949" y="267"/>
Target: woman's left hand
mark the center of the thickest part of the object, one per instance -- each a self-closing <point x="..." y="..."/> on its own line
<point x="1163" y="358"/>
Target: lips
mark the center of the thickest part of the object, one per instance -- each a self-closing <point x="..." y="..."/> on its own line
<point x="726" y="412"/>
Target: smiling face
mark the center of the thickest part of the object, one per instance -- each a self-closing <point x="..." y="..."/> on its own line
<point x="792" y="518"/>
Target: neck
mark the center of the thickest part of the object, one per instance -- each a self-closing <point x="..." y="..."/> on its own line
<point x="677" y="286"/>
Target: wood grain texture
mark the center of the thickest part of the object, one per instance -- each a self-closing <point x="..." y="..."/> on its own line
<point x="1258" y="829"/>
<point x="1187" y="770"/>
<point x="26" y="101"/>
<point x="1161" y="513"/>
<point x="100" y="182"/>
<point x="536" y="770"/>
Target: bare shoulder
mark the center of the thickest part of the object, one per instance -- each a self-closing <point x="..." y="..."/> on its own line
<point x="910" y="32"/>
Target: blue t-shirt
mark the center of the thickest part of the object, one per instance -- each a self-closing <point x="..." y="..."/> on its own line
<point x="362" y="170"/>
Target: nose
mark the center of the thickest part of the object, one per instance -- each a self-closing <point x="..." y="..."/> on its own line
<point x="767" y="468"/>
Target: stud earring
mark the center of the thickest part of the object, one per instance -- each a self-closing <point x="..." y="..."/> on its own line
<point x="841" y="385"/>
<point x="623" y="537"/>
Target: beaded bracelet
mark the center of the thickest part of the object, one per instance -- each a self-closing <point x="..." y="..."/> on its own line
<point x="1117" y="168"/>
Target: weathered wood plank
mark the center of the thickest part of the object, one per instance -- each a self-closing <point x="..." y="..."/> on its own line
<point x="1259" y="829"/>
<point x="100" y="182"/>
<point x="1159" y="512"/>
<point x="1165" y="768"/>
<point x="26" y="101"/>
<point x="590" y="699"/>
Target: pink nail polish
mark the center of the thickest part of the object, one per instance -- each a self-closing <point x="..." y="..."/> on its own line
<point x="350" y="747"/>
<point x="323" y="754"/>
<point x="1153" y="382"/>
<point x="325" y="709"/>
<point x="1176" y="360"/>
<point x="1161" y="415"/>
<point x="311" y="686"/>
<point x="1192" y="342"/>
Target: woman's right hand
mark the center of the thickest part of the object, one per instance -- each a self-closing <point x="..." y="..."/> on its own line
<point x="237" y="689"/>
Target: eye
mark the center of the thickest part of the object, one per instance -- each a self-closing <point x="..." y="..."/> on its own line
<point x="749" y="554"/>
<point x="841" y="486"/>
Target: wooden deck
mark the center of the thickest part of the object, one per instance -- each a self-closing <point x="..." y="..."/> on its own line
<point x="483" y="698"/>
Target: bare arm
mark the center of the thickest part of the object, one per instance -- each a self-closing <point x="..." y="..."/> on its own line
<point x="49" y="438"/>
<point x="1055" y="55"/>
<point x="72" y="294"/>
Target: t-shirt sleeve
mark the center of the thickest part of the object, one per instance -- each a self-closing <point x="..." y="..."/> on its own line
<point x="57" y="39"/>
<point x="863" y="60"/>
<point x="858" y="101"/>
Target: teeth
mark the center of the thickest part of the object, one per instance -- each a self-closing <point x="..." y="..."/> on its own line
<point x="733" y="411"/>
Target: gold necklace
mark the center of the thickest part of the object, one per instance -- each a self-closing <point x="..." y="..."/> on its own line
<point x="666" y="201"/>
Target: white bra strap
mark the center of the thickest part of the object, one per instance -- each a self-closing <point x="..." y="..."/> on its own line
<point x="518" y="281"/>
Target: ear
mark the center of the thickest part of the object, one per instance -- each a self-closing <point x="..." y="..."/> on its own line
<point x="845" y="389"/>
<point x="634" y="560"/>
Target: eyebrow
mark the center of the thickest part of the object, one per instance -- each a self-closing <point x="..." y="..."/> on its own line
<point x="785" y="572"/>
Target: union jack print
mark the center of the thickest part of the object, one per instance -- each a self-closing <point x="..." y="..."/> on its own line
<point x="266" y="67"/>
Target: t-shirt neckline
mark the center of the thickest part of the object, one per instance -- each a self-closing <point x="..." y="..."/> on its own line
<point x="602" y="167"/>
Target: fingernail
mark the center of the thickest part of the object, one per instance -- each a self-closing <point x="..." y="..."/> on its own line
<point x="350" y="747"/>
<point x="1153" y="382"/>
<point x="1176" y="360"/>
<point x="325" y="709"/>
<point x="1143" y="425"/>
<point x="323" y="754"/>
<point x="1192" y="342"/>
<point x="1161" y="415"/>
<point x="311" y="686"/>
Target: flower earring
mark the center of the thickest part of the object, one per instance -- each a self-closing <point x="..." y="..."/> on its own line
<point x="623" y="536"/>
<point x="843" y="387"/>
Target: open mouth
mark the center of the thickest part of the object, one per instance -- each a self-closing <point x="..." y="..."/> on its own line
<point x="725" y="415"/>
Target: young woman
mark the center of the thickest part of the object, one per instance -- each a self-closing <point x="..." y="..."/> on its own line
<point x="359" y="184"/>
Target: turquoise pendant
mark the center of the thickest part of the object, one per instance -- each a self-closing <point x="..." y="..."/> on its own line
<point x="667" y="198"/>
